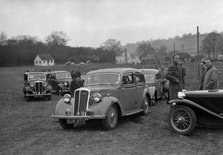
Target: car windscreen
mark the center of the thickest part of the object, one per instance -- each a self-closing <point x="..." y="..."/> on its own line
<point x="102" y="79"/>
<point x="63" y="75"/>
<point x="36" y="76"/>
<point x="149" y="76"/>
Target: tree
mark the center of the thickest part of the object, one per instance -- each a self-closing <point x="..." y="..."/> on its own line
<point x="144" y="49"/>
<point x="212" y="44"/>
<point x="112" y="46"/>
<point x="57" y="38"/>
<point x="3" y="38"/>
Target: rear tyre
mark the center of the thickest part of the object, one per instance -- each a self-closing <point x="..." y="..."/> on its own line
<point x="145" y="106"/>
<point x="182" y="119"/>
<point x="63" y="123"/>
<point x="49" y="97"/>
<point x="111" y="120"/>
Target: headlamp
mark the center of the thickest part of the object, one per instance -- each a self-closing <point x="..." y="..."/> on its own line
<point x="181" y="94"/>
<point x="96" y="97"/>
<point x="67" y="98"/>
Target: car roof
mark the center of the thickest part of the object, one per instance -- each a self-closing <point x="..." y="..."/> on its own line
<point x="113" y="70"/>
<point x="58" y="72"/>
<point x="35" y="73"/>
<point x="149" y="70"/>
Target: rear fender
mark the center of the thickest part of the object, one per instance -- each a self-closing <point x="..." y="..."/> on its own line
<point x="192" y="104"/>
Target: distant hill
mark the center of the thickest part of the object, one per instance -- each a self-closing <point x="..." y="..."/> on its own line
<point x="186" y="43"/>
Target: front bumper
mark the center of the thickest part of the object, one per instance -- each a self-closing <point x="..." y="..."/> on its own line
<point x="79" y="117"/>
<point x="38" y="95"/>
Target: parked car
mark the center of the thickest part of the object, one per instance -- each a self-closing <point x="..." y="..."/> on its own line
<point x="203" y="107"/>
<point x="107" y="95"/>
<point x="60" y="81"/>
<point x="35" y="86"/>
<point x="156" y="84"/>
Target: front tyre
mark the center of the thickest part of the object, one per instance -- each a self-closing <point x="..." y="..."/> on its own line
<point x="182" y="119"/>
<point x="111" y="120"/>
<point x="63" y="123"/>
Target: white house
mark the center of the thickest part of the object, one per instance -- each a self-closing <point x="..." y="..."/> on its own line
<point x="44" y="60"/>
<point x="122" y="57"/>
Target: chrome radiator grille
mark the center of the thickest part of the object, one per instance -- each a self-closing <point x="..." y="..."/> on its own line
<point x="39" y="87"/>
<point x="81" y="101"/>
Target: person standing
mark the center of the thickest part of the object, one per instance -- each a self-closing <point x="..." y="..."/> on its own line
<point x="210" y="79"/>
<point x="78" y="73"/>
<point x="175" y="77"/>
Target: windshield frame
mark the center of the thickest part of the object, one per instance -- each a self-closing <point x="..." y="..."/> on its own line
<point x="36" y="79"/>
<point x="60" y="73"/>
<point x="86" y="83"/>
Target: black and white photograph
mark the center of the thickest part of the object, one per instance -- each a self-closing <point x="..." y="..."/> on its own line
<point x="111" y="77"/>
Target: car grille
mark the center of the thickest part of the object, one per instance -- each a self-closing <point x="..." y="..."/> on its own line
<point x="38" y="87"/>
<point x="81" y="101"/>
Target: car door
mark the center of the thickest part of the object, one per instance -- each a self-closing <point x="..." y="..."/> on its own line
<point x="127" y="95"/>
<point x="140" y="86"/>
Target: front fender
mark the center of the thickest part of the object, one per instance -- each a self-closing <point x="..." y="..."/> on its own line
<point x="186" y="102"/>
<point x="62" y="107"/>
<point x="102" y="107"/>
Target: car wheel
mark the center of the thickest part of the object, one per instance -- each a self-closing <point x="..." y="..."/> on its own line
<point x="145" y="106"/>
<point x="27" y="98"/>
<point x="182" y="119"/>
<point x="111" y="120"/>
<point x="59" y="91"/>
<point x="153" y="99"/>
<point x="63" y="123"/>
<point x="49" y="97"/>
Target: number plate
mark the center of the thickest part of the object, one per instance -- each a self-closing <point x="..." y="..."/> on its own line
<point x="75" y="121"/>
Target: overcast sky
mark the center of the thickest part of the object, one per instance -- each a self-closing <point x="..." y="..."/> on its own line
<point x="92" y="22"/>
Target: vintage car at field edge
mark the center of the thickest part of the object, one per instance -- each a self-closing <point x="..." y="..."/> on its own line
<point x="197" y="107"/>
<point x="157" y="85"/>
<point x="59" y="81"/>
<point x="35" y="85"/>
<point x="107" y="94"/>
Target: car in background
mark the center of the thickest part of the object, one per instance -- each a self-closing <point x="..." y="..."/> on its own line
<point x="156" y="84"/>
<point x="36" y="86"/>
<point x="59" y="81"/>
<point x="193" y="108"/>
<point x="107" y="95"/>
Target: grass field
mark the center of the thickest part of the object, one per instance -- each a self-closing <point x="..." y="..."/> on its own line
<point x="27" y="127"/>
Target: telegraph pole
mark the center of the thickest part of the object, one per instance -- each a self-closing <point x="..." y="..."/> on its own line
<point x="198" y="52"/>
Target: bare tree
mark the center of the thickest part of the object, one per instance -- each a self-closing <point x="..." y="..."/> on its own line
<point x="57" y="38"/>
<point x="3" y="38"/>
<point x="212" y="44"/>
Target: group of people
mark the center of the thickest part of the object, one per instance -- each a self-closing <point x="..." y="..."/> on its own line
<point x="176" y="76"/>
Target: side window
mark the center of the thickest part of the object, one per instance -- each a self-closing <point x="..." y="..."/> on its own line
<point x="139" y="78"/>
<point x="127" y="79"/>
<point x="158" y="76"/>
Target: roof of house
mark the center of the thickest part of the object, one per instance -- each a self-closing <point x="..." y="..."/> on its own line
<point x="46" y="56"/>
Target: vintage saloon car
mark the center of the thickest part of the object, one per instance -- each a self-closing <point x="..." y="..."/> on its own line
<point x="60" y="81"/>
<point x="35" y="85"/>
<point x="204" y="107"/>
<point x="107" y="95"/>
<point x="157" y="85"/>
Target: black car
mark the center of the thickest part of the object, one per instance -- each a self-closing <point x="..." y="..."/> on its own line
<point x="192" y="108"/>
<point x="60" y="81"/>
<point x="36" y="86"/>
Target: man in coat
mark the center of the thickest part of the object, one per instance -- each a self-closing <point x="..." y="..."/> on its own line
<point x="210" y="79"/>
<point x="175" y="77"/>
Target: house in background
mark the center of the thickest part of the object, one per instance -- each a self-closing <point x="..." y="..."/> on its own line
<point x="122" y="57"/>
<point x="44" y="60"/>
